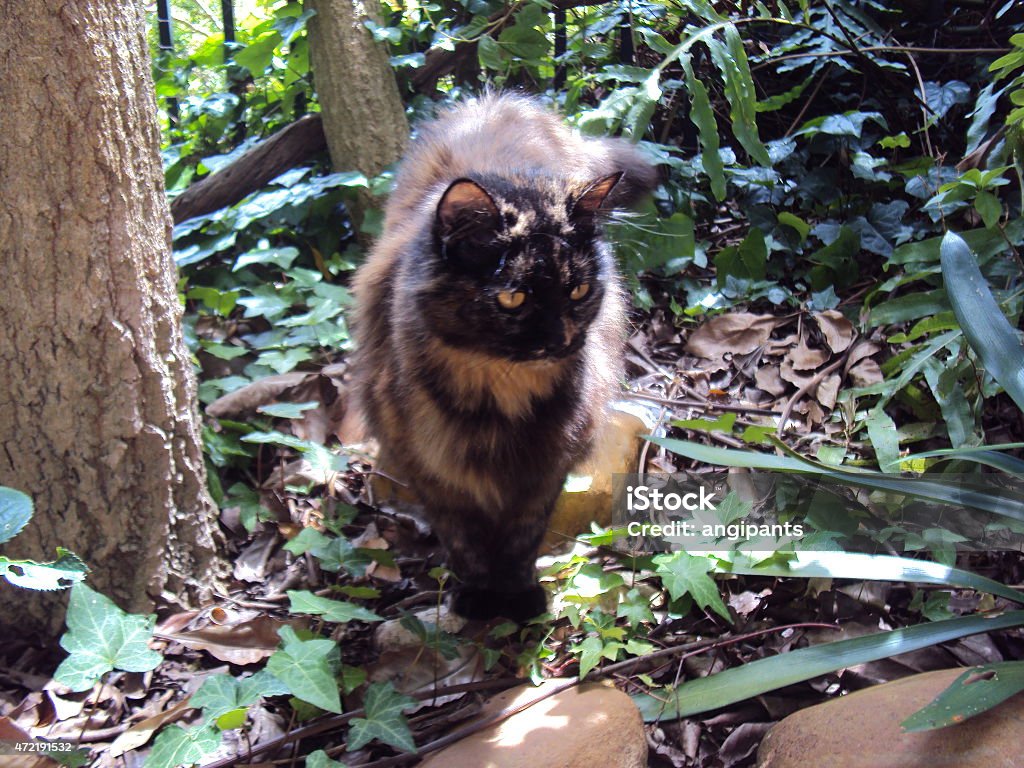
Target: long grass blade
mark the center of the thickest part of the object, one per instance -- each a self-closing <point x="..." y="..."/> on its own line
<point x="987" y="330"/>
<point x="856" y="565"/>
<point x="757" y="677"/>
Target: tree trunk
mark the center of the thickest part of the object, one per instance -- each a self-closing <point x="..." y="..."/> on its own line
<point x="364" y="118"/>
<point x="97" y="402"/>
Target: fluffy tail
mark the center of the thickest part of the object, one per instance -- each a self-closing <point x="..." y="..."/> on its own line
<point x="639" y="176"/>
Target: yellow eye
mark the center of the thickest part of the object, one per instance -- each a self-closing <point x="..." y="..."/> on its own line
<point x="580" y="291"/>
<point x="511" y="299"/>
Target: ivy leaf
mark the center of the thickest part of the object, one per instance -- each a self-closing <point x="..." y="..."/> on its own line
<point x="216" y="696"/>
<point x="65" y="571"/>
<point x="220" y="695"/>
<point x="100" y="638"/>
<point x="287" y="410"/>
<point x="319" y="759"/>
<point x="306" y="667"/>
<point x="432" y="636"/>
<point x="175" y="747"/>
<point x="339" y="553"/>
<point x="592" y="649"/>
<point x="307" y="540"/>
<point x="684" y="574"/>
<point x="332" y="610"/>
<point x="15" y="512"/>
<point x="351" y="678"/>
<point x="260" y="685"/>
<point x="384" y="719"/>
<point x="635" y="609"/>
<point x="747" y="261"/>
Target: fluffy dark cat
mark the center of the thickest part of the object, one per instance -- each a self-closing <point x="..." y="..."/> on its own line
<point x="490" y="324"/>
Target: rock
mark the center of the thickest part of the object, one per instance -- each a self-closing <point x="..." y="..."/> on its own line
<point x="588" y="726"/>
<point x="587" y="496"/>
<point x="862" y="730"/>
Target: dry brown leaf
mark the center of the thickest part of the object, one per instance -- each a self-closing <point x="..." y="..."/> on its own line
<point x="828" y="390"/>
<point x="331" y="416"/>
<point x="735" y="333"/>
<point x="661" y="464"/>
<point x="35" y="710"/>
<point x="247" y="642"/>
<point x="768" y="379"/>
<point x="252" y="396"/>
<point x="805" y="358"/>
<point x="837" y="330"/>
<point x="865" y="373"/>
<point x="781" y="346"/>
<point x="251" y="564"/>
<point x="298" y="472"/>
<point x="370" y="538"/>
<point x="815" y="415"/>
<point x="788" y="373"/>
<point x="177" y="622"/>
<point x="746" y="602"/>
<point x="389" y="573"/>
<point x="411" y="666"/>
<point x="143" y="731"/>
<point x="10" y="732"/>
<point x="747" y="364"/>
<point x="324" y="420"/>
<point x="862" y="349"/>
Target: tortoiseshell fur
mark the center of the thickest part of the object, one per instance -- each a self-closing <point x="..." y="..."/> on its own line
<point x="480" y="409"/>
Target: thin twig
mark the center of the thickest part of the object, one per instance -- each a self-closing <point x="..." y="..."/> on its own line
<point x="925" y="108"/>
<point x="877" y="49"/>
<point x="803" y="110"/>
<point x="700" y="406"/>
<point x="781" y="429"/>
<point x="336" y="721"/>
<point x="700" y="646"/>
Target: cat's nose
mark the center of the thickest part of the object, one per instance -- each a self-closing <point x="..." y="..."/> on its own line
<point x="569" y="342"/>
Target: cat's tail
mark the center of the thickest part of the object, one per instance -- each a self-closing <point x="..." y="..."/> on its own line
<point x="639" y="175"/>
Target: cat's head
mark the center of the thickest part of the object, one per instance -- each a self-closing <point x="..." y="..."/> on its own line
<point x="517" y="271"/>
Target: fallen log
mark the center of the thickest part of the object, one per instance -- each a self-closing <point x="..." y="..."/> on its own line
<point x="292" y="145"/>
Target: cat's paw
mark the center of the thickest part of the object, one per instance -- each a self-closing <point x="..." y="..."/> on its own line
<point x="482" y="604"/>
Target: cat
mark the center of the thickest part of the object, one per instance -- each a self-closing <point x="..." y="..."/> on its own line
<point x="489" y="327"/>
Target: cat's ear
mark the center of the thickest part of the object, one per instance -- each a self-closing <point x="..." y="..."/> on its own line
<point x="466" y="208"/>
<point x="592" y="198"/>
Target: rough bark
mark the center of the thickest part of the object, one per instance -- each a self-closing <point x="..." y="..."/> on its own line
<point x="364" y="118"/>
<point x="290" y="146"/>
<point x="97" y="401"/>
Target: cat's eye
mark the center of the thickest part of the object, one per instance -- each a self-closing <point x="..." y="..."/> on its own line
<point x="511" y="299"/>
<point x="580" y="291"/>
